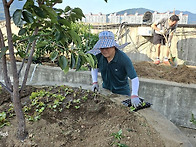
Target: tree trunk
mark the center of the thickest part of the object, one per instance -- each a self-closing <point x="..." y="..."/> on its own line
<point x="22" y="132"/>
<point x="4" y="65"/>
<point x="29" y="62"/>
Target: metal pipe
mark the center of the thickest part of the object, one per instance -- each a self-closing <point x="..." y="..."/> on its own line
<point x="33" y="72"/>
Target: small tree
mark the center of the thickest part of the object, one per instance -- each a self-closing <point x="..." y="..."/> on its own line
<point x="40" y="25"/>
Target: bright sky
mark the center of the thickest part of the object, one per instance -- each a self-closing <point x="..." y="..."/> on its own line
<point x="96" y="6"/>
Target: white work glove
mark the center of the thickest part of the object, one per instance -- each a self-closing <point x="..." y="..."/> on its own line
<point x="95" y="87"/>
<point x="135" y="101"/>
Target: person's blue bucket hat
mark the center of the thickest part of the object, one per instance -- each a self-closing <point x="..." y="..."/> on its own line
<point x="106" y="40"/>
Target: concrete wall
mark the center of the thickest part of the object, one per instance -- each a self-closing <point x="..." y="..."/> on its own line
<point x="175" y="101"/>
<point x="142" y="48"/>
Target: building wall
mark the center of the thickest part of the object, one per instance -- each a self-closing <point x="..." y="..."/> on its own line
<point x="131" y="19"/>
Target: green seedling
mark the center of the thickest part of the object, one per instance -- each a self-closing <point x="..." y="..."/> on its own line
<point x="117" y="138"/>
<point x="193" y="120"/>
<point x="11" y="110"/>
<point x="40" y="110"/>
<point x="3" y="120"/>
<point x="68" y="91"/>
<point x="60" y="97"/>
<point x="26" y="108"/>
<point x="68" y="105"/>
<point x="77" y="107"/>
<point x="121" y="145"/>
<point x="85" y="97"/>
<point x="33" y="95"/>
<point x="62" y="86"/>
<point x="76" y="101"/>
<point x="60" y="109"/>
<point x="34" y="117"/>
<point x="118" y="135"/>
<point x="50" y="88"/>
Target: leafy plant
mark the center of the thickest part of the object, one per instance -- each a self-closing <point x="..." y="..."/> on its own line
<point x="3" y="120"/>
<point x="77" y="107"/>
<point x="118" y="135"/>
<point x="10" y="111"/>
<point x="85" y="97"/>
<point x="117" y="138"/>
<point x="41" y="100"/>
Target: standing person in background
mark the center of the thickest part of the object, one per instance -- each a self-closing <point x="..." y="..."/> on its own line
<point x="164" y="26"/>
<point x="115" y="67"/>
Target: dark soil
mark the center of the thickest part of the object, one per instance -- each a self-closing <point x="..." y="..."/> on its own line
<point x="89" y="121"/>
<point x="180" y="74"/>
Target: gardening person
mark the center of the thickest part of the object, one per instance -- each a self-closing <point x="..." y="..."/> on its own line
<point x="115" y="67"/>
<point x="164" y="28"/>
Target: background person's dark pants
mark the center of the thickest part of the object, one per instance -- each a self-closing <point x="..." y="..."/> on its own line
<point x="159" y="39"/>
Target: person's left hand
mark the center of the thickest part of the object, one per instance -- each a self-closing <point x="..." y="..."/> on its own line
<point x="135" y="101"/>
<point x="95" y="87"/>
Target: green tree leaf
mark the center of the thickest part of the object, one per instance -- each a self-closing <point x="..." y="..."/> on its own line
<point x="63" y="62"/>
<point x="15" y="38"/>
<point x="52" y="14"/>
<point x="28" y="5"/>
<point x="22" y="54"/>
<point x="79" y="12"/>
<point x="66" y="69"/>
<point x="78" y="62"/>
<point x="39" y="12"/>
<point x="53" y="55"/>
<point x="41" y="44"/>
<point x="32" y="38"/>
<point x="73" y="60"/>
<point x="64" y="22"/>
<point x="28" y="17"/>
<point x="59" y="35"/>
<point x="67" y="9"/>
<point x="58" y="27"/>
<point x="58" y="1"/>
<point x="17" y="17"/>
<point x="90" y="60"/>
<point x="75" y="37"/>
<point x="22" y="31"/>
